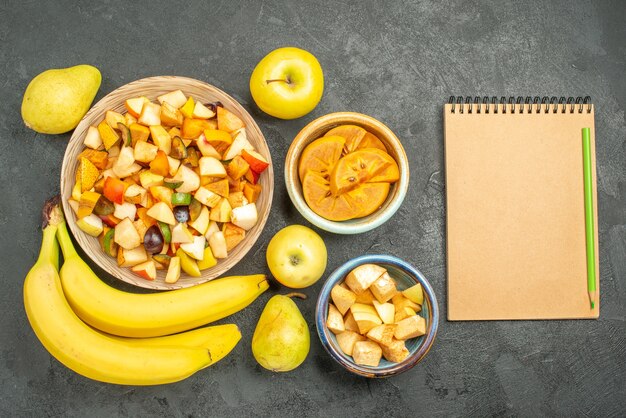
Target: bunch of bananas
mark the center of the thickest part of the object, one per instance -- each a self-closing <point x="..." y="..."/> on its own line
<point x="123" y="338"/>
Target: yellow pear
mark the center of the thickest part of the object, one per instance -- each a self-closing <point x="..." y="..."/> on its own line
<point x="56" y="100"/>
<point x="281" y="340"/>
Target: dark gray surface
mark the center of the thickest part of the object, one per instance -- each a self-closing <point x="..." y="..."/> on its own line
<point x="397" y="62"/>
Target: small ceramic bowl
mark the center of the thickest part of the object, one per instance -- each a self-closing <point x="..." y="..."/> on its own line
<point x="405" y="276"/>
<point x="318" y="128"/>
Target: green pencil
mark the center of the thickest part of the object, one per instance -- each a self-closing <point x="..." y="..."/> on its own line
<point x="589" y="224"/>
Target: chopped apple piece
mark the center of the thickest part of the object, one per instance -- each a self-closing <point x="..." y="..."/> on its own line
<point x="135" y="194"/>
<point x="129" y="119"/>
<point x="384" y="288"/>
<point x="367" y="353"/>
<point x="350" y="323"/>
<point x="366" y="297"/>
<point x="181" y="235"/>
<point x="410" y="327"/>
<point x="127" y="171"/>
<point x="91" y="224"/>
<point x="170" y="116"/>
<point x="207" y="197"/>
<point x="200" y="111"/>
<point x="245" y="216"/>
<point x="240" y="143"/>
<point x="213" y="227"/>
<point x="396" y="351"/>
<point x="145" y="151"/>
<point x="382" y="334"/>
<point x="173" y="271"/>
<point x="161" y="138"/>
<point x="363" y="276"/>
<point x="256" y="160"/>
<point x="400" y="302"/>
<point x="129" y="258"/>
<point x="149" y="179"/>
<point x="125" y="210"/>
<point x="221" y="211"/>
<point x="201" y="224"/>
<point x="415" y="294"/>
<point x="147" y="270"/>
<point x="141" y="228"/>
<point x="365" y="316"/>
<point x="92" y="138"/>
<point x="206" y="149"/>
<point x="233" y="235"/>
<point x="113" y="118"/>
<point x="175" y="98"/>
<point x="162" y="194"/>
<point x="347" y="339"/>
<point x="342" y="298"/>
<point x="126" y="236"/>
<point x="194" y="249"/>
<point x="335" y="320"/>
<point x="125" y="158"/>
<point x="174" y="164"/>
<point x="386" y="311"/>
<point x="150" y="114"/>
<point x="208" y="260"/>
<point x="217" y="241"/>
<point x="135" y="105"/>
<point x="210" y="166"/>
<point x="190" y="179"/>
<point x="162" y="212"/>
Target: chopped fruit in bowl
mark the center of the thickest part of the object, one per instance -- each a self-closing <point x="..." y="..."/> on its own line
<point x="174" y="179"/>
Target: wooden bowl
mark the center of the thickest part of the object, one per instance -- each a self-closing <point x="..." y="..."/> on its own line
<point x="317" y="129"/>
<point x="151" y="88"/>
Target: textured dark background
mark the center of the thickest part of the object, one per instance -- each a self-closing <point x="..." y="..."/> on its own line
<point x="397" y="61"/>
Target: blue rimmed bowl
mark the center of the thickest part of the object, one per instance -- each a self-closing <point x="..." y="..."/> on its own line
<point x="405" y="276"/>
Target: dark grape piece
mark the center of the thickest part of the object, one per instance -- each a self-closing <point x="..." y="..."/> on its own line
<point x="181" y="213"/>
<point x="153" y="240"/>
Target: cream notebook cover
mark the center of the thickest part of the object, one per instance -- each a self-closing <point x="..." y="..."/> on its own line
<point x="515" y="209"/>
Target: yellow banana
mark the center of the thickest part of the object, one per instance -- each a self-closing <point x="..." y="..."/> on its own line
<point x="218" y="339"/>
<point x="150" y="315"/>
<point x="87" y="351"/>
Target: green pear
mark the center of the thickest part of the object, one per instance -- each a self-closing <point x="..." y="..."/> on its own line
<point x="281" y="340"/>
<point x="56" y="100"/>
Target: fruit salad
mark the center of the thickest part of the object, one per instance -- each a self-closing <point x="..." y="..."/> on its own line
<point x="372" y="319"/>
<point x="347" y="173"/>
<point x="168" y="185"/>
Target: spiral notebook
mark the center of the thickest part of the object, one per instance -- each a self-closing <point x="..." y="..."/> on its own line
<point x="515" y="208"/>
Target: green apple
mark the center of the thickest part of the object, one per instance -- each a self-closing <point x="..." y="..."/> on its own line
<point x="296" y="256"/>
<point x="287" y="83"/>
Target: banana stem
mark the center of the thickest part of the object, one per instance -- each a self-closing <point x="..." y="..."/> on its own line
<point x="53" y="216"/>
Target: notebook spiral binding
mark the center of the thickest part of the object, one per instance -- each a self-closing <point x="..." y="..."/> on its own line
<point x="520" y="104"/>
